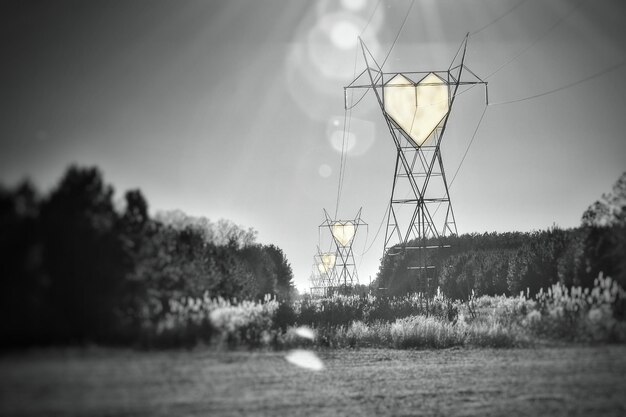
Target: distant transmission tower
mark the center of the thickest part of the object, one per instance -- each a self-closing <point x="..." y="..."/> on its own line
<point x="343" y="233"/>
<point x="416" y="107"/>
<point x="316" y="287"/>
<point x="324" y="277"/>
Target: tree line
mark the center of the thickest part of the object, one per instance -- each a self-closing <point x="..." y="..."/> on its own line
<point x="512" y="262"/>
<point x="77" y="268"/>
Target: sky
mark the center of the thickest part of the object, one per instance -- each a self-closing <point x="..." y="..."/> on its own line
<point x="235" y="109"/>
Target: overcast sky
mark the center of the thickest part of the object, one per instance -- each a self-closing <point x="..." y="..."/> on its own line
<point x="234" y="109"/>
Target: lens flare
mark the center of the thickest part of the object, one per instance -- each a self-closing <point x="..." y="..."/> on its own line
<point x="325" y="170"/>
<point x="337" y="141"/>
<point x="344" y="34"/>
<point x="354" y="5"/>
<point x="358" y="140"/>
<point x="305" y="359"/>
<point x="305" y="332"/>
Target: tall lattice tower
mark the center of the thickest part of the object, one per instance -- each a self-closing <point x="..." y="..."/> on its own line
<point x="416" y="107"/>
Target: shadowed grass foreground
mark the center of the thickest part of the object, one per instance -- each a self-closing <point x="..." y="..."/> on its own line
<point x="471" y="382"/>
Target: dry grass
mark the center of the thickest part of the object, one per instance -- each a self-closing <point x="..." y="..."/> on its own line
<point x="451" y="382"/>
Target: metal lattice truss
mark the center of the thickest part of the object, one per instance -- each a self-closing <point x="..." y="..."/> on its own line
<point x="416" y="107"/>
<point x="324" y="277"/>
<point x="317" y="283"/>
<point x="343" y="234"/>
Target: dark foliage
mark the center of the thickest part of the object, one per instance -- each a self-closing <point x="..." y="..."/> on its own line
<point x="285" y="316"/>
<point x="75" y="270"/>
<point x="509" y="263"/>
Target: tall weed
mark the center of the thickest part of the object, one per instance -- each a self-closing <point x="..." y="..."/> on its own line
<point x="412" y="321"/>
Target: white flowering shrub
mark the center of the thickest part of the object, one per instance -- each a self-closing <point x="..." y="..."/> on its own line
<point x="425" y="332"/>
<point x="413" y="321"/>
<point x="579" y="314"/>
<point x="343" y="310"/>
<point x="206" y="319"/>
<point x="244" y="323"/>
<point x="496" y="309"/>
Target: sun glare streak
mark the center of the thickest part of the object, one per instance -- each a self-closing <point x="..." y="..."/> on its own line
<point x="324" y="51"/>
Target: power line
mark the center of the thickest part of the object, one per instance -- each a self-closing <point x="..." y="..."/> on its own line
<point x="348" y="112"/>
<point x="341" y="163"/>
<point x="535" y="41"/>
<point x="465" y="154"/>
<point x="370" y="18"/>
<point x="499" y="18"/>
<point x="344" y="152"/>
<point x="564" y="87"/>
<point x="406" y="16"/>
<point x="468" y="146"/>
<point x="516" y="56"/>
<point x="347" y="120"/>
<point x="377" y="232"/>
<point x="367" y="235"/>
<point x="399" y="31"/>
<point x="359" y="100"/>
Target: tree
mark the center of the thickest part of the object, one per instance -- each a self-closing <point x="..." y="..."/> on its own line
<point x="610" y="210"/>
<point x="84" y="256"/>
<point x="136" y="212"/>
<point x="604" y="223"/>
<point x="284" y="274"/>
<point x="24" y="295"/>
<point x="263" y="269"/>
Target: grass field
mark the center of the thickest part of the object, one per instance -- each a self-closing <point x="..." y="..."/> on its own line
<point x="583" y="381"/>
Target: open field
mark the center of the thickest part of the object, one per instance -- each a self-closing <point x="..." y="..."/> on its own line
<point x="469" y="382"/>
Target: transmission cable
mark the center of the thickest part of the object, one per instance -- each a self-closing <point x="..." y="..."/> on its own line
<point x="399" y="32"/>
<point x="534" y="42"/>
<point x="341" y="163"/>
<point x="468" y="147"/>
<point x="482" y="116"/>
<point x="564" y="87"/>
<point x="498" y="18"/>
<point x="371" y="17"/>
<point x="408" y="12"/>
<point x="377" y="232"/>
<point x="347" y="120"/>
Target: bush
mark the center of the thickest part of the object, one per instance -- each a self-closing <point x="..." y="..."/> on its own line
<point x="413" y="321"/>
<point x="189" y="321"/>
<point x="336" y="310"/>
<point x="247" y="323"/>
<point x="285" y="316"/>
<point x="580" y="314"/>
<point x="424" y="332"/>
<point x="343" y="310"/>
